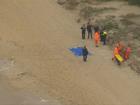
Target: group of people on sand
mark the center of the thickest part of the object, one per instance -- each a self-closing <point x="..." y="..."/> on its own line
<point x="93" y="32"/>
<point x="88" y="31"/>
<point x="121" y="52"/>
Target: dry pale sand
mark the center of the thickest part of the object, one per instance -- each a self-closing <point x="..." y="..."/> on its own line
<point x="34" y="39"/>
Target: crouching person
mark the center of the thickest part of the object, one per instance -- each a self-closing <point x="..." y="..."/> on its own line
<point x="116" y="55"/>
<point x="127" y="53"/>
<point x="85" y="53"/>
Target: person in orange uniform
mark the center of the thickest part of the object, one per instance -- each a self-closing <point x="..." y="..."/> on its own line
<point x="120" y="47"/>
<point x="116" y="51"/>
<point x="97" y="38"/>
<point x="127" y="53"/>
<point x="116" y="55"/>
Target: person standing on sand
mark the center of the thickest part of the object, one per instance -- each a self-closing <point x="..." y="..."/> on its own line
<point x="85" y="53"/>
<point x="101" y="35"/>
<point x="83" y="28"/>
<point x="97" y="38"/>
<point x="89" y="30"/>
<point x="104" y="37"/>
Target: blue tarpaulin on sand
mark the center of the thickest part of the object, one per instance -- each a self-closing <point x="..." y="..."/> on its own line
<point x="77" y="51"/>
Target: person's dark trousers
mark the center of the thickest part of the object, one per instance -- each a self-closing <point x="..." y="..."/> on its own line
<point x="101" y="38"/>
<point x="118" y="62"/>
<point x="83" y="35"/>
<point x="89" y="34"/>
<point x="84" y="58"/>
<point x="104" y="40"/>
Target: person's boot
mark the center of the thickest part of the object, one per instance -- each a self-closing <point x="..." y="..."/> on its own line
<point x="118" y="62"/>
<point x="112" y="59"/>
<point x="84" y="59"/>
<point x="97" y="46"/>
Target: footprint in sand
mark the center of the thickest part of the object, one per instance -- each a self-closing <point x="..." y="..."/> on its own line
<point x="6" y="64"/>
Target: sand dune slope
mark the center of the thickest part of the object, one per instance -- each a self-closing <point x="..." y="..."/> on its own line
<point x="36" y="35"/>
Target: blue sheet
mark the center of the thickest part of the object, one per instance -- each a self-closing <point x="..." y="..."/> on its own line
<point x="77" y="51"/>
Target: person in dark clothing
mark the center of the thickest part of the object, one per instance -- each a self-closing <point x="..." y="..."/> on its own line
<point x="101" y="35"/>
<point x="104" y="37"/>
<point x="83" y="28"/>
<point x="85" y="53"/>
<point x="89" y="30"/>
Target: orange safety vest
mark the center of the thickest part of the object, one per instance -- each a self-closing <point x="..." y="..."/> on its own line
<point x="127" y="53"/>
<point x="120" y="47"/>
<point x="97" y="36"/>
<point x="116" y="51"/>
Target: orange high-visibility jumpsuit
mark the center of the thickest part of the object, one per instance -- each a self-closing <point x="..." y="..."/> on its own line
<point x="127" y="53"/>
<point x="116" y="52"/>
<point x="97" y="38"/>
<point x="120" y="47"/>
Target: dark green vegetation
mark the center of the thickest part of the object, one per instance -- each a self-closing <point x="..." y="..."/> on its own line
<point x="71" y="4"/>
<point x="134" y="2"/>
<point x="89" y="11"/>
